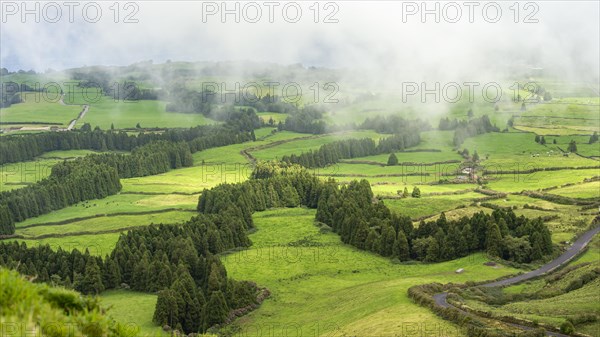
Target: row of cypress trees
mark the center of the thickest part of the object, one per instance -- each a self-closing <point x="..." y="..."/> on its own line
<point x="177" y="261"/>
<point x="333" y="152"/>
<point x="93" y="176"/>
<point x="17" y="148"/>
<point x="365" y="222"/>
<point x="68" y="184"/>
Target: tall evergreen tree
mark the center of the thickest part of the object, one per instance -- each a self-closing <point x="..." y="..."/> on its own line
<point x="493" y="240"/>
<point x="392" y="160"/>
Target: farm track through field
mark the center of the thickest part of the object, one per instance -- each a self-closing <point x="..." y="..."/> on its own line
<point x="577" y="247"/>
<point x="80" y="116"/>
<point x="85" y="109"/>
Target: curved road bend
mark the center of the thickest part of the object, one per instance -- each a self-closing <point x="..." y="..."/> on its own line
<point x="568" y="255"/>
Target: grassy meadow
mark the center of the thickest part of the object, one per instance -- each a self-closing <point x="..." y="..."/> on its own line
<point x="320" y="286"/>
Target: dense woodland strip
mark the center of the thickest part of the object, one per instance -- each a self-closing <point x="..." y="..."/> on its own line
<point x="333" y="152"/>
<point x="177" y="260"/>
<point x="466" y="129"/>
<point x="363" y="221"/>
<point x="68" y="184"/>
<point x="98" y="175"/>
<point x="91" y="177"/>
<point x="238" y="128"/>
<point x="194" y="290"/>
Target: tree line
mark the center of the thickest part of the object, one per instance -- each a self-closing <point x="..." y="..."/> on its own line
<point x="333" y="152"/>
<point x="394" y="124"/>
<point x="94" y="176"/>
<point x="194" y="292"/>
<point x="68" y="184"/>
<point x="150" y="159"/>
<point x="472" y="128"/>
<point x="177" y="261"/>
<point x="365" y="222"/>
<point x="17" y="148"/>
<point x="310" y="119"/>
<point x="98" y="175"/>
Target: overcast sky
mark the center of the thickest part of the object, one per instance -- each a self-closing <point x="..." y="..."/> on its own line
<point x="384" y="36"/>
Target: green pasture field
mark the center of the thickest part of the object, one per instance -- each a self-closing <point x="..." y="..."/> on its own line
<point x="401" y="174"/>
<point x="115" y="204"/>
<point x="17" y="175"/>
<point x="538" y="180"/>
<point x="96" y="244"/>
<point x="312" y="143"/>
<point x="570" y="218"/>
<point x="519" y="151"/>
<point x="429" y="206"/>
<point x="436" y="139"/>
<point x="585" y="190"/>
<point x="149" y="114"/>
<point x="411" y="157"/>
<point x="41" y="109"/>
<point x="131" y="309"/>
<point x="332" y="289"/>
<point x="390" y="189"/>
<point x="188" y="180"/>
<point x="103" y="243"/>
<point x="121" y="222"/>
<point x="567" y="116"/>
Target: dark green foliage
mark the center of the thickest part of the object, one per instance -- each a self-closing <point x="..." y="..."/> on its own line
<point x="16" y="148"/>
<point x="307" y="120"/>
<point x="367" y="224"/>
<point x="392" y="160"/>
<point x="572" y="146"/>
<point x="472" y="128"/>
<point x="593" y="138"/>
<point x="567" y="328"/>
<point x="416" y="193"/>
<point x="448" y="124"/>
<point x="166" y="311"/>
<point x="331" y="153"/>
<point x="493" y="239"/>
<point x="394" y="124"/>
<point x="150" y="159"/>
<point x="68" y="184"/>
<point x="216" y="309"/>
<point x="97" y="176"/>
<point x="91" y="282"/>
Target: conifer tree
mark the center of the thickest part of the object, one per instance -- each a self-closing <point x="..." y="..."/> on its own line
<point x="392" y="160"/>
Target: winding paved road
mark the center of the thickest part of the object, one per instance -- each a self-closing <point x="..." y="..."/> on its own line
<point x="441" y="299"/>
